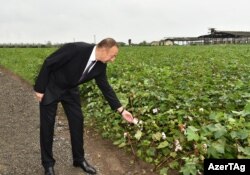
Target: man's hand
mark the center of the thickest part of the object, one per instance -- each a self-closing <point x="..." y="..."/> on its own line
<point x="127" y="116"/>
<point x="39" y="96"/>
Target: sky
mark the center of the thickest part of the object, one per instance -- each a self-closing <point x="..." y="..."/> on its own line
<point x="60" y="21"/>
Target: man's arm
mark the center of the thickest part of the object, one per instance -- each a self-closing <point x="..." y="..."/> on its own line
<point x="107" y="91"/>
<point x="111" y="97"/>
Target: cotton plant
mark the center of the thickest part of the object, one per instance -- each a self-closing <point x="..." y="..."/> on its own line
<point x="136" y="122"/>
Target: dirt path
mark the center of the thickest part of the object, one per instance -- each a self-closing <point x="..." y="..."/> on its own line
<point x="19" y="138"/>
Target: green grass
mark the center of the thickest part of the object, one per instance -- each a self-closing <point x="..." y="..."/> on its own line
<point x="24" y="61"/>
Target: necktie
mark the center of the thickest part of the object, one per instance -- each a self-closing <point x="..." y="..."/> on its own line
<point x="86" y="71"/>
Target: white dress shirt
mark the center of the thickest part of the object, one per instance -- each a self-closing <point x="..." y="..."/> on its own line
<point x="92" y="58"/>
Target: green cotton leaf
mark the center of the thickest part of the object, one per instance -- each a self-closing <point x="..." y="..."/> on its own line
<point x="191" y="134"/>
<point x="146" y="82"/>
<point x="217" y="129"/>
<point x="91" y="105"/>
<point x="149" y="159"/>
<point x="245" y="112"/>
<point x="239" y="84"/>
<point x="246" y="150"/>
<point x="233" y="134"/>
<point x="212" y="153"/>
<point x="123" y="98"/>
<point x="247" y="109"/>
<point x="220" y="132"/>
<point x="212" y="127"/>
<point x="193" y="128"/>
<point x="219" y="147"/>
<point x="164" y="171"/>
<point x="212" y="116"/>
<point x="188" y="169"/>
<point x="139" y="153"/>
<point x="243" y="134"/>
<point x="138" y="134"/>
<point x="163" y="145"/>
<point x="217" y="117"/>
<point x="151" y="152"/>
<point x="157" y="136"/>
<point x="241" y="113"/>
<point x="174" y="164"/>
<point x="165" y="151"/>
<point x="231" y="120"/>
<point x="122" y="145"/>
<point x="118" y="142"/>
<point x="173" y="154"/>
<point x="145" y="142"/>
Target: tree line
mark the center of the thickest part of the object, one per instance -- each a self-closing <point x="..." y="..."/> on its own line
<point x="27" y="45"/>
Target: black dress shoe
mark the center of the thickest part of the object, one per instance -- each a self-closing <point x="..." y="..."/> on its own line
<point x="85" y="166"/>
<point x="49" y="171"/>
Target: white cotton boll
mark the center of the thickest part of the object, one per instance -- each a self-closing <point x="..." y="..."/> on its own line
<point x="155" y="111"/>
<point x="178" y="147"/>
<point x="201" y="110"/>
<point x="163" y="136"/>
<point x="125" y="134"/>
<point x="176" y="142"/>
<point x="190" y="118"/>
<point x="135" y="121"/>
<point x="204" y="146"/>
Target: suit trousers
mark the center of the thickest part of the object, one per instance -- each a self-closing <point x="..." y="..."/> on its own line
<point x="72" y="106"/>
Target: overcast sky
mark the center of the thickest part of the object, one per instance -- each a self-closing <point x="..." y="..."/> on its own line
<point x="32" y="21"/>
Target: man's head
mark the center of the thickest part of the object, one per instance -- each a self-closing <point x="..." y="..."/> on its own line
<point x="106" y="50"/>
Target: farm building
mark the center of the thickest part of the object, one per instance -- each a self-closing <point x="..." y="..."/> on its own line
<point x="226" y="37"/>
<point x="214" y="37"/>
<point x="181" y="41"/>
<point x="155" y="43"/>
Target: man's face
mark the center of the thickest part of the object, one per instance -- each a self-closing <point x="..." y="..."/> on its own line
<point x="110" y="54"/>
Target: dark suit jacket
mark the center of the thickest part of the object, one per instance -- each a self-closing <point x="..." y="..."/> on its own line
<point x="62" y="70"/>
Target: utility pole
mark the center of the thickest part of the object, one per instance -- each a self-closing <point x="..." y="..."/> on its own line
<point x="94" y="39"/>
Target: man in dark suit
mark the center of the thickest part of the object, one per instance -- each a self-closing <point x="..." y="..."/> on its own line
<point x="58" y="80"/>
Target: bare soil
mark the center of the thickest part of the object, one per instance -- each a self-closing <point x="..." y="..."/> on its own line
<point x="19" y="138"/>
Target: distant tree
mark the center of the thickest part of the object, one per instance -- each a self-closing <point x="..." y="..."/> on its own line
<point x="121" y="44"/>
<point x="129" y="42"/>
<point x="143" y="43"/>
